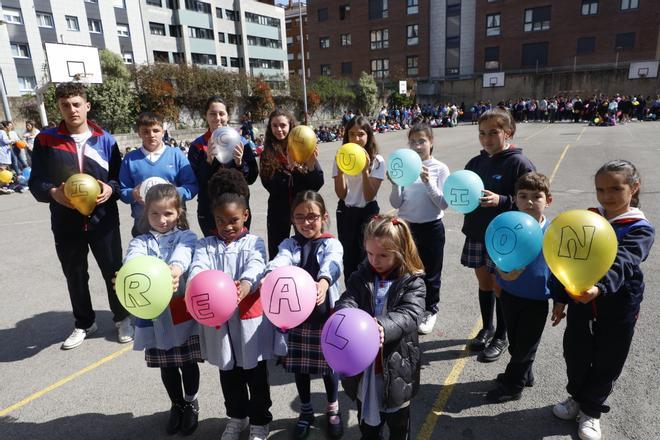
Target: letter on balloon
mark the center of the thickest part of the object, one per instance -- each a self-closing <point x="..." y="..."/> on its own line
<point x="571" y="246"/>
<point x="396" y="165"/>
<point x="505" y="240"/>
<point x="284" y="291"/>
<point x="134" y="287"/>
<point x="201" y="306"/>
<point x="333" y="337"/>
<point x="347" y="160"/>
<point x="78" y="188"/>
<point x="459" y="196"/>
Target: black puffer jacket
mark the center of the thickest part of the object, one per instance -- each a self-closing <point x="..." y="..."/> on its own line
<point x="401" y="355"/>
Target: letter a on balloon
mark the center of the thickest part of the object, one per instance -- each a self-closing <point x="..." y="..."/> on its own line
<point x="285" y="291"/>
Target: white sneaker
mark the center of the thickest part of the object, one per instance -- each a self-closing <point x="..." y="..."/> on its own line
<point x="566" y="410"/>
<point x="258" y="432"/>
<point x="77" y="337"/>
<point x="427" y="324"/>
<point x="234" y="428"/>
<point x="125" y="330"/>
<point x="589" y="428"/>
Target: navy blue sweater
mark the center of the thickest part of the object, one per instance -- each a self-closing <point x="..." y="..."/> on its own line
<point x="499" y="174"/>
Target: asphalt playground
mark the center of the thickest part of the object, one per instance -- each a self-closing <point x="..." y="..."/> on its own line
<point x="103" y="390"/>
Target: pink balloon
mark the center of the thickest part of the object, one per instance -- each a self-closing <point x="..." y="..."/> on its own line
<point x="288" y="296"/>
<point x="211" y="297"/>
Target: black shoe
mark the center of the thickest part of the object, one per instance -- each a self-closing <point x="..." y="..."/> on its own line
<point x="501" y="395"/>
<point x="528" y="383"/>
<point x="335" y="430"/>
<point x="303" y="426"/>
<point x="479" y="342"/>
<point x="494" y="350"/>
<point x="190" y="417"/>
<point x="174" y="421"/>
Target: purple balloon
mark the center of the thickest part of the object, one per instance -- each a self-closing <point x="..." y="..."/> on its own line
<point x="350" y="341"/>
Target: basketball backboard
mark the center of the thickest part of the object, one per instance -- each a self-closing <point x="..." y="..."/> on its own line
<point x="643" y="69"/>
<point x="69" y="62"/>
<point x="494" y="79"/>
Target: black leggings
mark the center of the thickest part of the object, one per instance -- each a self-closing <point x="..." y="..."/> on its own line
<point x="303" y="382"/>
<point x="172" y="379"/>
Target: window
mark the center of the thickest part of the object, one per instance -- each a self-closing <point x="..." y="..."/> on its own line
<point x="324" y="42"/>
<point x="589" y="7"/>
<point x="413" y="7"/>
<point x="453" y="7"/>
<point x="20" y="50"/>
<point x="412" y="34"/>
<point x="94" y="26"/>
<point x="629" y="4"/>
<point x="291" y="56"/>
<point x="72" y="23"/>
<point x="585" y="45"/>
<point x="262" y="19"/>
<point x="234" y="39"/>
<point x="204" y="58"/>
<point x="27" y="83"/>
<point x="122" y="30"/>
<point x="378" y="9"/>
<point x="412" y="65"/>
<point x="119" y="4"/>
<point x="492" y="25"/>
<point x="201" y="33"/>
<point x="345" y="39"/>
<point x="161" y="57"/>
<point x="172" y="4"/>
<point x="44" y="20"/>
<point x="218" y="13"/>
<point x="223" y="61"/>
<point x="232" y="15"/>
<point x="157" y="28"/>
<point x="176" y="30"/>
<point x="94" y="1"/>
<point x="235" y="62"/>
<point x="128" y="57"/>
<point x="534" y="54"/>
<point x="343" y="11"/>
<point x="221" y="37"/>
<point x="380" y="39"/>
<point x="346" y="68"/>
<point x="452" y="61"/>
<point x="325" y="70"/>
<point x="624" y="41"/>
<point x="178" y="57"/>
<point x="196" y="5"/>
<point x="323" y="14"/>
<point x="380" y="68"/>
<point x="12" y="16"/>
<point x="492" y="58"/>
<point x="289" y="40"/>
<point x="537" y="19"/>
<point x="155" y="3"/>
<point x="263" y="42"/>
<point x="259" y="63"/>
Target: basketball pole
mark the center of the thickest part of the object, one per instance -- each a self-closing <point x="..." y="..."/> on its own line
<point x="40" y="104"/>
<point x="5" y="101"/>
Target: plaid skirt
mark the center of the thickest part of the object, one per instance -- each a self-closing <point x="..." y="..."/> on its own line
<point x="304" y="354"/>
<point x="187" y="353"/>
<point x="475" y="255"/>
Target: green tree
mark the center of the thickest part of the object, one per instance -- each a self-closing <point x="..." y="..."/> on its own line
<point x="334" y="93"/>
<point x="367" y="94"/>
<point x="155" y="90"/>
<point x="396" y="99"/>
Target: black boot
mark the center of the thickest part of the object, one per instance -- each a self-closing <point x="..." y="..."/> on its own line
<point x="190" y="416"/>
<point x="174" y="421"/>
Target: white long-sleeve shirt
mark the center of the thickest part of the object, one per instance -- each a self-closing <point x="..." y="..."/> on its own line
<point x="422" y="202"/>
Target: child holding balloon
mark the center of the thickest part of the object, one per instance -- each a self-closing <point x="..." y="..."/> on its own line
<point x="601" y="320"/>
<point x="524" y="296"/>
<point x="390" y="287"/>
<point x="357" y="193"/>
<point x="320" y="254"/>
<point x="153" y="159"/>
<point x="205" y="164"/>
<point x="421" y="204"/>
<point x="241" y="346"/>
<point x="170" y="341"/>
<point x="499" y="165"/>
<point x="282" y="177"/>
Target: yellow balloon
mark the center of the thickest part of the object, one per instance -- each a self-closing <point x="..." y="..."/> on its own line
<point x="351" y="159"/>
<point x="597" y="121"/>
<point x="301" y="143"/>
<point x="82" y="190"/>
<point x="6" y="176"/>
<point x="579" y="247"/>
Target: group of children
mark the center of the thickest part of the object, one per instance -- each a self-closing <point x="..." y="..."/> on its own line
<point x="398" y="282"/>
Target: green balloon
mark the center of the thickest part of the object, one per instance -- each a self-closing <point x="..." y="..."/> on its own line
<point x="144" y="286"/>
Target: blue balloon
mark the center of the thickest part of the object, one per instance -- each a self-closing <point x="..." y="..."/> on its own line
<point x="513" y="240"/>
<point x="21" y="179"/>
<point x="26" y="172"/>
<point x="404" y="166"/>
<point x="462" y="191"/>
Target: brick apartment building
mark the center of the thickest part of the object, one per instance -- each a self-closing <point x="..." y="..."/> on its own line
<point x="292" y="13"/>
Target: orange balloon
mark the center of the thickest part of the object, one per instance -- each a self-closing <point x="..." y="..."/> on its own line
<point x="301" y="143"/>
<point x="21" y="144"/>
<point x="82" y="191"/>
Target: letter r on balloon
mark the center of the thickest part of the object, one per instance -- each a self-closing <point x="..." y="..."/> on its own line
<point x="571" y="246"/>
<point x="333" y="337"/>
<point x="284" y="291"/>
<point x="134" y="287"/>
<point x="202" y="309"/>
<point x="459" y="196"/>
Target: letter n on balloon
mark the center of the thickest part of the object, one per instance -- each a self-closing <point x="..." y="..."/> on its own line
<point x="333" y="337"/>
<point x="284" y="291"/>
<point x="571" y="246"/>
<point x="134" y="287"/>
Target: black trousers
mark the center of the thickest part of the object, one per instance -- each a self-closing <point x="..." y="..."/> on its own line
<point x="430" y="240"/>
<point x="72" y="250"/>
<point x="398" y="424"/>
<point x="350" y="228"/>
<point x="247" y="393"/>
<point x="525" y="320"/>
<point x="595" y="352"/>
<point x="279" y="229"/>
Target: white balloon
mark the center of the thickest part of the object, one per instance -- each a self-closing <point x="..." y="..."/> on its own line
<point x="222" y="143"/>
<point x="148" y="183"/>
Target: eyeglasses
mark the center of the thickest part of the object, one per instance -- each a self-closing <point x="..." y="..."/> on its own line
<point x="309" y="218"/>
<point x="414" y="143"/>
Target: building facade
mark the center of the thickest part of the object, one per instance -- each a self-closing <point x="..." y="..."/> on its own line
<point x="294" y="12"/>
<point x="246" y="36"/>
